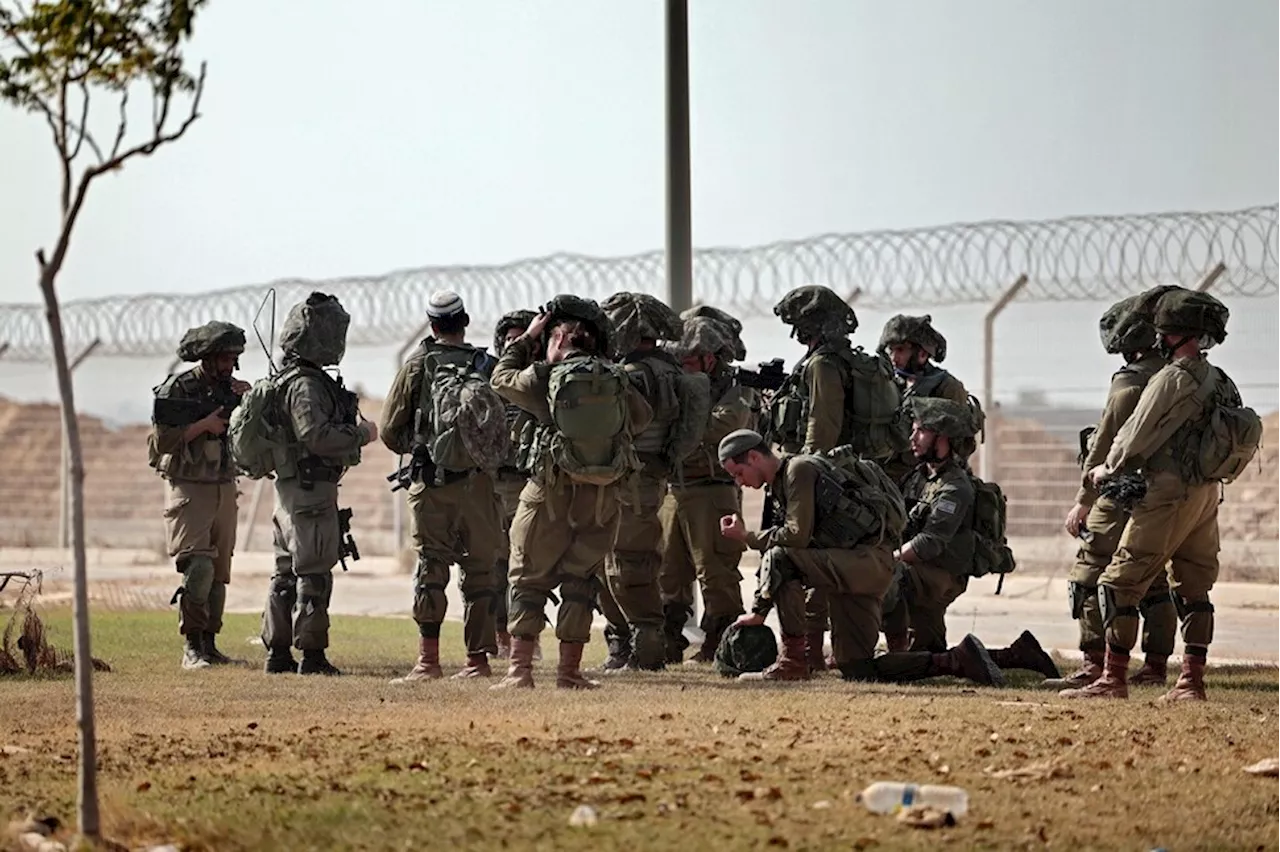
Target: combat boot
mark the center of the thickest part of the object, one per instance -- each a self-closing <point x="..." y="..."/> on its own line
<point x="316" y="663"/>
<point x="477" y="666"/>
<point x="816" y="660"/>
<point x="969" y="660"/>
<point x="428" y="665"/>
<point x="674" y="617"/>
<point x="1154" y="671"/>
<point x="280" y="661"/>
<point x="569" y="671"/>
<point x="791" y="663"/>
<point x="504" y="645"/>
<point x="211" y="651"/>
<point x="194" y="655"/>
<point x="648" y="648"/>
<point x="1090" y="670"/>
<point x="895" y="642"/>
<point x="1025" y="653"/>
<point x="1113" y="683"/>
<point x="1190" y="685"/>
<point x="619" y="645"/>
<point x="520" y="672"/>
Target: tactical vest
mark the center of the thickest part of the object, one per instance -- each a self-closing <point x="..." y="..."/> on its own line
<point x="924" y="386"/>
<point x="958" y="554"/>
<point x="654" y="374"/>
<point x="346" y="410"/>
<point x="205" y="459"/>
<point x="703" y="465"/>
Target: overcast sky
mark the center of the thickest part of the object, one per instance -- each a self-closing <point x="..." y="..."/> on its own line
<point x="356" y="138"/>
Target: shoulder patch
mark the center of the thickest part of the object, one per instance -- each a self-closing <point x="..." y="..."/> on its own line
<point x="945" y="507"/>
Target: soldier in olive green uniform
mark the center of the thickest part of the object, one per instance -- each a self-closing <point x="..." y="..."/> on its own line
<point x="835" y="395"/>
<point x="1098" y="520"/>
<point x="318" y="419"/>
<point x="816" y="543"/>
<point x="454" y="508"/>
<point x="188" y="447"/>
<point x="564" y="527"/>
<point x="681" y="402"/>
<point x="511" y="477"/>
<point x="700" y="494"/>
<point x="1169" y="438"/>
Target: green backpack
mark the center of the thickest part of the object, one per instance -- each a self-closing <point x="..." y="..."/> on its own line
<point x="258" y="443"/>
<point x="1231" y="434"/>
<point x="460" y="420"/>
<point x="591" y="443"/>
<point x="867" y="504"/>
<point x="991" y="552"/>
<point x="873" y="405"/>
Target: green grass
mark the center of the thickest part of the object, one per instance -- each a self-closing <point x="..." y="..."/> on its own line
<point x="231" y="759"/>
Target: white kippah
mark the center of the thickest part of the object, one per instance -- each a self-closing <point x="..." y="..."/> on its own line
<point x="444" y="303"/>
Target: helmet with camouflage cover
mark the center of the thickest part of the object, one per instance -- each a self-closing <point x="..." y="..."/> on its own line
<point x="815" y="310"/>
<point x="731" y="324"/>
<point x="917" y="330"/>
<point x="586" y="311"/>
<point x="946" y="417"/>
<point x="1191" y="314"/>
<point x="515" y="319"/>
<point x="746" y="649"/>
<point x="316" y="330"/>
<point x="1126" y="327"/>
<point x="705" y="336"/>
<point x="637" y="317"/>
<point x="212" y="338"/>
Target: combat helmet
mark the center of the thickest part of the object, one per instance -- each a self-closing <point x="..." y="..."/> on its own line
<point x="212" y="338"/>
<point x="514" y="319"/>
<point x="316" y="330"/>
<point x="946" y="417"/>
<point x="746" y="649"/>
<point x="1126" y="327"/>
<point x="731" y="324"/>
<point x="816" y="311"/>
<point x="586" y="311"/>
<point x="639" y="316"/>
<point x="1191" y="314"/>
<point x="916" y="330"/>
<point x="705" y="336"/>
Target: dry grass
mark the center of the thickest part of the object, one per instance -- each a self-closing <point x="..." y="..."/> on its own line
<point x="231" y="759"/>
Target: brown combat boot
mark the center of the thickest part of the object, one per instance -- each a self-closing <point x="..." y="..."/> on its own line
<point x="791" y="664"/>
<point x="504" y="645"/>
<point x="897" y="642"/>
<point x="1190" y="685"/>
<point x="1154" y="671"/>
<point x="969" y="660"/>
<point x="1113" y="683"/>
<point x="1026" y="653"/>
<point x="569" y="671"/>
<point x="816" y="660"/>
<point x="520" y="673"/>
<point x="1090" y="670"/>
<point x="477" y="666"/>
<point x="428" y="665"/>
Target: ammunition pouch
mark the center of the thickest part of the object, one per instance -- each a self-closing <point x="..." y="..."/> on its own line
<point x="841" y="521"/>
<point x="775" y="570"/>
<point x="1110" y="611"/>
<point x="313" y="469"/>
<point x="1077" y="594"/>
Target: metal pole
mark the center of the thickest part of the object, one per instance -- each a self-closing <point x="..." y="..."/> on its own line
<point x="679" y="204"/>
<point x="4" y="347"/>
<point x="397" y="504"/>
<point x="1211" y="277"/>
<point x="64" y="471"/>
<point x="988" y="466"/>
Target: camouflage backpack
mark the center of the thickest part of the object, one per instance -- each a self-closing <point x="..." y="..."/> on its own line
<point x="857" y="501"/>
<point x="746" y="649"/>
<point x="991" y="552"/>
<point x="257" y="441"/>
<point x="1228" y="438"/>
<point x="591" y="441"/>
<point x="460" y="420"/>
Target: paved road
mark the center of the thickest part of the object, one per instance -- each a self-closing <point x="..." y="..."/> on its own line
<point x="1247" y="623"/>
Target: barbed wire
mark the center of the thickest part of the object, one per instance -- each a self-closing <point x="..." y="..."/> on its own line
<point x="1082" y="258"/>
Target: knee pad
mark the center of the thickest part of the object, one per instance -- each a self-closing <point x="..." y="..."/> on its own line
<point x="1107" y="605"/>
<point x="1078" y="594"/>
<point x="1186" y="607"/>
<point x="775" y="570"/>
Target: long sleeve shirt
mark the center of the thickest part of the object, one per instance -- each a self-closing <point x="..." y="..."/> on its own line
<point x="1166" y="404"/>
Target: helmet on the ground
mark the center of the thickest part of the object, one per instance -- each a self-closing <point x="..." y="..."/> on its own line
<point x="746" y="649"/>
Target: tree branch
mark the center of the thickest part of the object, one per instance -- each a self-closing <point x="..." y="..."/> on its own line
<point x="122" y="126"/>
<point x="83" y="129"/>
<point x="149" y="147"/>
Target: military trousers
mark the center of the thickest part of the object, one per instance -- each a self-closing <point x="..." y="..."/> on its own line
<point x="924" y="593"/>
<point x="1175" y="523"/>
<point x="560" y="537"/>
<point x="508" y="488"/>
<point x="200" y="528"/>
<point x="457" y="522"/>
<point x="632" y="600"/>
<point x="854" y="582"/>
<point x="693" y="549"/>
<point x="307" y="546"/>
<point x="1106" y="523"/>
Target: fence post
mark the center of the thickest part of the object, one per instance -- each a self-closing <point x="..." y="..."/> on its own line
<point x="989" y="448"/>
<point x="64" y="472"/>
<point x="4" y="347"/>
<point x="397" y="500"/>
<point x="679" y="214"/>
<point x="1210" y="278"/>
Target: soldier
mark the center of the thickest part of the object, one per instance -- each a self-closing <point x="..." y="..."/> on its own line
<point x="681" y="403"/>
<point x="512" y="476"/>
<point x="1099" y="520"/>
<point x="823" y="539"/>
<point x="835" y="395"/>
<point x="188" y="448"/>
<point x="442" y="389"/>
<point x="567" y="520"/>
<point x="1188" y="433"/>
<point x="699" y="495"/>
<point x="317" y="416"/>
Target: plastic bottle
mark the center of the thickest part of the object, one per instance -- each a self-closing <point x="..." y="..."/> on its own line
<point x="884" y="797"/>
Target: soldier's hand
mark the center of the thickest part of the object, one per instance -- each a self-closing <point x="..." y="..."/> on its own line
<point x="370" y="429"/>
<point x="213" y="424"/>
<point x="1098" y="474"/>
<point x="535" y="329"/>
<point x="240" y="387"/>
<point x="732" y="528"/>
<point x="1075" y="518"/>
<point x="750" y="619"/>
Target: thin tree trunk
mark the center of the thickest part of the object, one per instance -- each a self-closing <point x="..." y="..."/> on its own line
<point x="87" y="794"/>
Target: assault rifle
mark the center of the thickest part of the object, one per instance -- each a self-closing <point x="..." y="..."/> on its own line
<point x="184" y="412"/>
<point x="1126" y="490"/>
<point x="419" y="468"/>
<point x="768" y="375"/>
<point x="347" y="545"/>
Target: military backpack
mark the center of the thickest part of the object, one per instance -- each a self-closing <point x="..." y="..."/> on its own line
<point x="1230" y="435"/>
<point x="591" y="441"/>
<point x="460" y="420"/>
<point x="991" y="551"/>
<point x="255" y="434"/>
<point x="856" y="501"/>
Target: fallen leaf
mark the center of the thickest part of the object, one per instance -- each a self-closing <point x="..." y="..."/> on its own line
<point x="143" y="787"/>
<point x="985" y="824"/>
<point x="627" y="798"/>
<point x="770" y="793"/>
<point x="822" y="805"/>
<point x="1035" y="772"/>
<point x="925" y="816"/>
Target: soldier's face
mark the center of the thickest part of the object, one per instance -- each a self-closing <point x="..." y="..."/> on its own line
<point x="747" y="474"/>
<point x="512" y="334"/>
<point x="922" y="440"/>
<point x="698" y="363"/>
<point x="224" y="364"/>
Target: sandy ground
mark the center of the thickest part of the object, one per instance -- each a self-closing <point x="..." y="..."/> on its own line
<point x="1247" y="623"/>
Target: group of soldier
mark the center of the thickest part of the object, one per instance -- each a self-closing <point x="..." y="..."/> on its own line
<point x="597" y="459"/>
